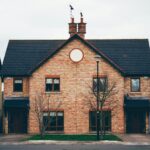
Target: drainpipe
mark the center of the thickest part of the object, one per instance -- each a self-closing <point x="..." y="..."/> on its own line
<point x="149" y="121"/>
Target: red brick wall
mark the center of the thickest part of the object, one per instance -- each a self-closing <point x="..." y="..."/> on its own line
<point x="8" y="88"/>
<point x="75" y="92"/>
<point x="74" y="89"/>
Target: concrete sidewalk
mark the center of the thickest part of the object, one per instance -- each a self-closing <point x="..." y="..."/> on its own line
<point x="128" y="139"/>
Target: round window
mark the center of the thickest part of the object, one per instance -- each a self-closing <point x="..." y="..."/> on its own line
<point x="76" y="55"/>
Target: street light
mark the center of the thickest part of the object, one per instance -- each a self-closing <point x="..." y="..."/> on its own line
<point x="97" y="58"/>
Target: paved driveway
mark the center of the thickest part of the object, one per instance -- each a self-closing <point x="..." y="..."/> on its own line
<point x="140" y="138"/>
<point x="13" y="137"/>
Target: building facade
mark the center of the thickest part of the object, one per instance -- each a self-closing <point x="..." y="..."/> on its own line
<point x="65" y="71"/>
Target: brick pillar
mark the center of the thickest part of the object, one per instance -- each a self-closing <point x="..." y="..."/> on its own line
<point x="6" y="124"/>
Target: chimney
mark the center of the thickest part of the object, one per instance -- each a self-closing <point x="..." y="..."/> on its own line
<point x="72" y="27"/>
<point x="81" y="28"/>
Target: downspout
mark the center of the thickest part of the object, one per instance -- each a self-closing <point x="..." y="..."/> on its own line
<point x="149" y="119"/>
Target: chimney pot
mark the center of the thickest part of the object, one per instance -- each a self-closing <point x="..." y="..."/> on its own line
<point x="81" y="28"/>
<point x="72" y="27"/>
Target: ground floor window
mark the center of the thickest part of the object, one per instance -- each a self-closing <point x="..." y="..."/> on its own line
<point x="54" y="120"/>
<point x="106" y="120"/>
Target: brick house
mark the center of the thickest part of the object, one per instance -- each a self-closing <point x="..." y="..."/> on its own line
<point x="51" y="67"/>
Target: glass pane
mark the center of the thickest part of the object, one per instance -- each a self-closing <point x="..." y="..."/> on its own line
<point x="46" y="121"/>
<point x="18" y="87"/>
<point x="56" y="81"/>
<point x="93" y="128"/>
<point x="56" y="87"/>
<point x="18" y="81"/>
<point x="92" y="120"/>
<point x="107" y="120"/>
<point x="52" y="113"/>
<point x="60" y="128"/>
<point x="103" y="84"/>
<point x="135" y="85"/>
<point x="60" y="114"/>
<point x="60" y="121"/>
<point x="45" y="114"/>
<point x="48" y="87"/>
<point x="52" y="128"/>
<point x="52" y="121"/>
<point x="94" y="85"/>
<point x="49" y="81"/>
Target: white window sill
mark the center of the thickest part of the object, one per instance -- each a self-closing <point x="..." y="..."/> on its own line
<point x="53" y="92"/>
<point x="139" y="92"/>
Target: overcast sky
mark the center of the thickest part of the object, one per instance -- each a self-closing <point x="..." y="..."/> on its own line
<point x="48" y="19"/>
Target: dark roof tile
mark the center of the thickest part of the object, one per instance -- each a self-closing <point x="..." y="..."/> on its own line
<point x="23" y="56"/>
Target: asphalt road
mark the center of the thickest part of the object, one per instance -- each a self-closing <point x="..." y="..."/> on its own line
<point x="74" y="147"/>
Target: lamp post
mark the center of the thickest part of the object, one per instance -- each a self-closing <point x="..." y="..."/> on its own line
<point x="97" y="58"/>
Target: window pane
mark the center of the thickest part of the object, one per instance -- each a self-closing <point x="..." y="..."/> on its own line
<point x="93" y="121"/>
<point x="60" y="114"/>
<point x="56" y="81"/>
<point x="18" y="85"/>
<point x="56" y="87"/>
<point x="94" y="85"/>
<point x="18" y="81"/>
<point x="102" y="84"/>
<point x="46" y="120"/>
<point x="60" y="128"/>
<point x="53" y="121"/>
<point x="49" y="81"/>
<point x="52" y="113"/>
<point x="45" y="114"/>
<point x="135" y="85"/>
<point x="93" y="118"/>
<point x="48" y="87"/>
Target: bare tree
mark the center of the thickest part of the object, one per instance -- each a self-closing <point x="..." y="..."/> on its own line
<point x="43" y="103"/>
<point x="100" y="99"/>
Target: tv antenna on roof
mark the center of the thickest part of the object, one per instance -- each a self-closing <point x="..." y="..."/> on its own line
<point x="81" y="14"/>
<point x="71" y="9"/>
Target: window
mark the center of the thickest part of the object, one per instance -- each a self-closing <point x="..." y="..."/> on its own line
<point x="103" y="84"/>
<point x="18" y="85"/>
<point x="52" y="84"/>
<point x="106" y="120"/>
<point x="54" y="120"/>
<point x="135" y="84"/>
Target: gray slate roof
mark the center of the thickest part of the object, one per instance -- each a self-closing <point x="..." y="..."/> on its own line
<point x="132" y="56"/>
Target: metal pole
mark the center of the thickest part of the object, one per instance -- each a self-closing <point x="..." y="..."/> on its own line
<point x="97" y="113"/>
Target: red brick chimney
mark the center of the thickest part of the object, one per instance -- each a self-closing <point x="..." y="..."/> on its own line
<point x="81" y="28"/>
<point x="72" y="27"/>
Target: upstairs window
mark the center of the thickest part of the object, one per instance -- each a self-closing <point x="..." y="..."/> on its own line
<point x="103" y="84"/>
<point x="135" y="85"/>
<point x="52" y="84"/>
<point x="18" y="85"/>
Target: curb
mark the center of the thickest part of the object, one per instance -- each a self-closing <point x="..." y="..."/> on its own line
<point x="73" y="142"/>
